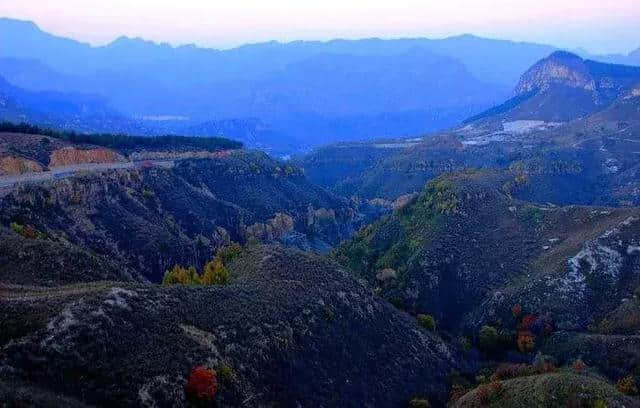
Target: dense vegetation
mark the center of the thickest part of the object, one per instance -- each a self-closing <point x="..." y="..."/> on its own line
<point x="127" y="142"/>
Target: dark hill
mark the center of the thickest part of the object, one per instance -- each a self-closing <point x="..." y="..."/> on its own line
<point x="145" y="220"/>
<point x="466" y="251"/>
<point x="292" y="329"/>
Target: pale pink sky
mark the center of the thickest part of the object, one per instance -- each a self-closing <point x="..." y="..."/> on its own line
<point x="596" y="25"/>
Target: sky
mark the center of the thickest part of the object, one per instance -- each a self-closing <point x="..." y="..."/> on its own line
<point x="599" y="26"/>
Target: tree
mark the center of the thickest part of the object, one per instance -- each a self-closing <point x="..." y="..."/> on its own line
<point x="215" y="273"/>
<point x="202" y="384"/>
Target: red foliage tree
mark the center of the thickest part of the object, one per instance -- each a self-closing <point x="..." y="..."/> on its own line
<point x="526" y="341"/>
<point x="527" y="322"/>
<point x="202" y="384"/>
<point x="516" y="310"/>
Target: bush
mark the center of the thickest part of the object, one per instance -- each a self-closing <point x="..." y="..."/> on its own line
<point x="627" y="385"/>
<point x="489" y="392"/>
<point x="507" y="371"/>
<point x="202" y="384"/>
<point x="579" y="366"/>
<point x="427" y="321"/>
<point x="229" y="252"/>
<point x="516" y="310"/>
<point x="215" y="273"/>
<point x="26" y="231"/>
<point x="527" y="322"/>
<point x="226" y="373"/>
<point x="181" y="276"/>
<point x="419" y="403"/>
<point x="526" y="341"/>
<point x="488" y="338"/>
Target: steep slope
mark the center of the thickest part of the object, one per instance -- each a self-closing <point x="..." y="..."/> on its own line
<point x="465" y="251"/>
<point x="292" y="329"/>
<point x="145" y="220"/>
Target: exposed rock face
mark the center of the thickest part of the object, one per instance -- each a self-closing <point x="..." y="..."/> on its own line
<point x="71" y="155"/>
<point x="16" y="165"/>
<point x="296" y="330"/>
<point x="560" y="68"/>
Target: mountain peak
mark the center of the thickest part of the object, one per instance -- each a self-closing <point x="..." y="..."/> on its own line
<point x="559" y="68"/>
<point x="18" y="24"/>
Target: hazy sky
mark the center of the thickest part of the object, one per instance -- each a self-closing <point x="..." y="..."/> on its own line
<point x="596" y="25"/>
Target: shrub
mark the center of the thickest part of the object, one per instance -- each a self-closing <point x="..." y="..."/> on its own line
<point x="599" y="404"/>
<point x="26" y="231"/>
<point x="489" y="392"/>
<point x="215" y="273"/>
<point x="427" y="321"/>
<point x="527" y="322"/>
<point x="226" y="373"/>
<point x="202" y="384"/>
<point x="465" y="343"/>
<point x="488" y="338"/>
<point x="579" y="366"/>
<point x="605" y="327"/>
<point x="526" y="341"/>
<point x="229" y="252"/>
<point x="627" y="385"/>
<point x="516" y="310"/>
<point x="419" y="403"/>
<point x="181" y="276"/>
<point x="457" y="391"/>
<point x="506" y="371"/>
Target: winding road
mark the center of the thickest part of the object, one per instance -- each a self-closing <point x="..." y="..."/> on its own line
<point x="60" y="172"/>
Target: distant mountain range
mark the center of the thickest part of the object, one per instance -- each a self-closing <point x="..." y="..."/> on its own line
<point x="306" y="93"/>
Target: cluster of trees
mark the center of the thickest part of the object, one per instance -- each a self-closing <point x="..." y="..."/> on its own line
<point x="127" y="142"/>
<point x="214" y="272"/>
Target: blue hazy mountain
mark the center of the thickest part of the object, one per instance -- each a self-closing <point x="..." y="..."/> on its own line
<point x="304" y="92"/>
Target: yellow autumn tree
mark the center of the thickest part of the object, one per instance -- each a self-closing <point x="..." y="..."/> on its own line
<point x="215" y="273"/>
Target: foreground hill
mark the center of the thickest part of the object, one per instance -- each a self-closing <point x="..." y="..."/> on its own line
<point x="292" y="329"/>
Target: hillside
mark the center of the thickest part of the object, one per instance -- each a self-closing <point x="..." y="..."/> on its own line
<point x="292" y="329"/>
<point x="148" y="219"/>
<point x="466" y="252"/>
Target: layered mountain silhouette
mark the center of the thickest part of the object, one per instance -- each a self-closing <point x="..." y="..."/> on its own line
<point x="307" y="93"/>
